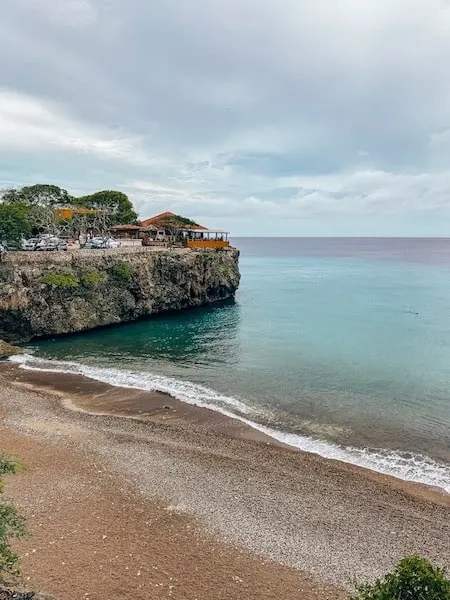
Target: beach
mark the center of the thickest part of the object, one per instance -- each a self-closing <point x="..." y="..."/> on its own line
<point x="132" y="494"/>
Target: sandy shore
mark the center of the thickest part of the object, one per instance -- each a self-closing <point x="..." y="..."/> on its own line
<point x="185" y="503"/>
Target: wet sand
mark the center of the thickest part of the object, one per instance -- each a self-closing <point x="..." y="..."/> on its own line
<point x="178" y="501"/>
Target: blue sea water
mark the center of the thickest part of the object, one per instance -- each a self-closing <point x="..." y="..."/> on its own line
<point x="338" y="346"/>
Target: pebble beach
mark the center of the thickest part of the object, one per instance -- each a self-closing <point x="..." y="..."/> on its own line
<point x="132" y="494"/>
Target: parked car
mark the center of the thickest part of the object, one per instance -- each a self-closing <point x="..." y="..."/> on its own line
<point x="99" y="243"/>
<point x="55" y="244"/>
<point x="51" y="244"/>
<point x="95" y="242"/>
<point x="30" y="244"/>
<point x="42" y="241"/>
<point x="110" y="243"/>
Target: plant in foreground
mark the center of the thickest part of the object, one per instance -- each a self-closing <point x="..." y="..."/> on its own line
<point x="414" y="578"/>
<point x="12" y="525"/>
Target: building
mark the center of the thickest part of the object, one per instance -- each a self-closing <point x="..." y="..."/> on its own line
<point x="126" y="232"/>
<point x="205" y="238"/>
<point x="169" y="227"/>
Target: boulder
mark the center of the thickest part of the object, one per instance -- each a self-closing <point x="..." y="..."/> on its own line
<point x="7" y="350"/>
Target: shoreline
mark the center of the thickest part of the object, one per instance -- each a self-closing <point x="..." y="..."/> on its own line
<point x="140" y="400"/>
<point x="311" y="523"/>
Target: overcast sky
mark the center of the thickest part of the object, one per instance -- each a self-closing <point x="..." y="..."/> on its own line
<point x="290" y="117"/>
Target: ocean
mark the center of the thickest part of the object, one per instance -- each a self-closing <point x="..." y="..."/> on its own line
<point x="335" y="346"/>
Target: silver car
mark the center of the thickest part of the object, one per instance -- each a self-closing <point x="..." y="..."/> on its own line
<point x="30" y="244"/>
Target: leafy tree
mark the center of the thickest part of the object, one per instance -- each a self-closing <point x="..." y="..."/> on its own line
<point x="14" y="223"/>
<point x="111" y="208"/>
<point x="12" y="525"/>
<point x="116" y="205"/>
<point x="414" y="578"/>
<point x="186" y="221"/>
<point x="41" y="194"/>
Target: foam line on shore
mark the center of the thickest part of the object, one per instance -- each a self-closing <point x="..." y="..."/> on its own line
<point x="415" y="468"/>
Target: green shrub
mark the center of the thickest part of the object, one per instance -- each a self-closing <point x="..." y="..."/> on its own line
<point x="12" y="525"/>
<point x="92" y="279"/>
<point x="61" y="280"/>
<point x="414" y="578"/>
<point x="121" y="271"/>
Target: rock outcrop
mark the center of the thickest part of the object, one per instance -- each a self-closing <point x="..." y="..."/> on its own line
<point x="7" y="350"/>
<point x="43" y="294"/>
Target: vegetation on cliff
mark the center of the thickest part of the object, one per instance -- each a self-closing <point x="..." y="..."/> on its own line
<point x="61" y="280"/>
<point x="12" y="525"/>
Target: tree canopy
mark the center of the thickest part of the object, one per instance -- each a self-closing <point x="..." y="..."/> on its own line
<point x="41" y="194"/>
<point x="117" y="205"/>
<point x="15" y="223"/>
<point x="36" y="211"/>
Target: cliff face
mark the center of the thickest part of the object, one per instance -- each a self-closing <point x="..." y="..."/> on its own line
<point x="57" y="293"/>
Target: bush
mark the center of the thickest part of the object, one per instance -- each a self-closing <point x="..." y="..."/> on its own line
<point x="61" y="280"/>
<point x="121" y="271"/>
<point x="12" y="525"/>
<point x="92" y="279"/>
<point x="414" y="578"/>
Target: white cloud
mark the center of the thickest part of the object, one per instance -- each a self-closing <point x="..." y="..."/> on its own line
<point x="29" y="124"/>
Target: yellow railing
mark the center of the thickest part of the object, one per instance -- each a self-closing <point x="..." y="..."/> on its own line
<point x="207" y="244"/>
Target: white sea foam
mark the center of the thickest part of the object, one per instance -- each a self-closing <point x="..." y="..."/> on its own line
<point x="415" y="468"/>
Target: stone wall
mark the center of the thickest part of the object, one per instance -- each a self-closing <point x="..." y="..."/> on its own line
<point x="53" y="293"/>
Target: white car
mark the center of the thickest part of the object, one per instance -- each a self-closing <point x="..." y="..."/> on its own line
<point x="30" y="244"/>
<point x="95" y="242"/>
<point x="102" y="243"/>
<point x="110" y="243"/>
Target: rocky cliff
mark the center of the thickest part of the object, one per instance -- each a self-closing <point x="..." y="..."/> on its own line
<point x="45" y="294"/>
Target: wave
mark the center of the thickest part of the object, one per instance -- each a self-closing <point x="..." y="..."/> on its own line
<point x="415" y="468"/>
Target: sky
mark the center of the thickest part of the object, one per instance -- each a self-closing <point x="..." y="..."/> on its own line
<point x="261" y="117"/>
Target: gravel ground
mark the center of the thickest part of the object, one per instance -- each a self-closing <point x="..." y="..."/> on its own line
<point x="323" y="518"/>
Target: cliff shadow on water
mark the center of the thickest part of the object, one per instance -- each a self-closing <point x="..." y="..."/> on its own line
<point x="197" y="336"/>
<point x="44" y="295"/>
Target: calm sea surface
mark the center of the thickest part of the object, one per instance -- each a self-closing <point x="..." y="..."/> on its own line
<point x="338" y="346"/>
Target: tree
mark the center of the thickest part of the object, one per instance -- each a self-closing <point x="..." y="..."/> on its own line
<point x="41" y="194"/>
<point x="12" y="525"/>
<point x="115" y="205"/>
<point x="14" y="223"/>
<point x="414" y="578"/>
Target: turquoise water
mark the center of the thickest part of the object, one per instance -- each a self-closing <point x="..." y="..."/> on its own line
<point x="338" y="346"/>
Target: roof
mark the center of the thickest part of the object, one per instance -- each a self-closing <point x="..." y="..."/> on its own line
<point x="204" y="230"/>
<point x="165" y="218"/>
<point x="127" y="227"/>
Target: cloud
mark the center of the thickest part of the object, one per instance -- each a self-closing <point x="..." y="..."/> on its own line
<point x="28" y="124"/>
<point x="71" y="13"/>
<point x="280" y="110"/>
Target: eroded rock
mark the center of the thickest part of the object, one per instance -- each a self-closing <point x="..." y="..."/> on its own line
<point x="7" y="350"/>
<point x="46" y="294"/>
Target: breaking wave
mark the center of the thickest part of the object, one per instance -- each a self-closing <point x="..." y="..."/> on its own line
<point x="407" y="466"/>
